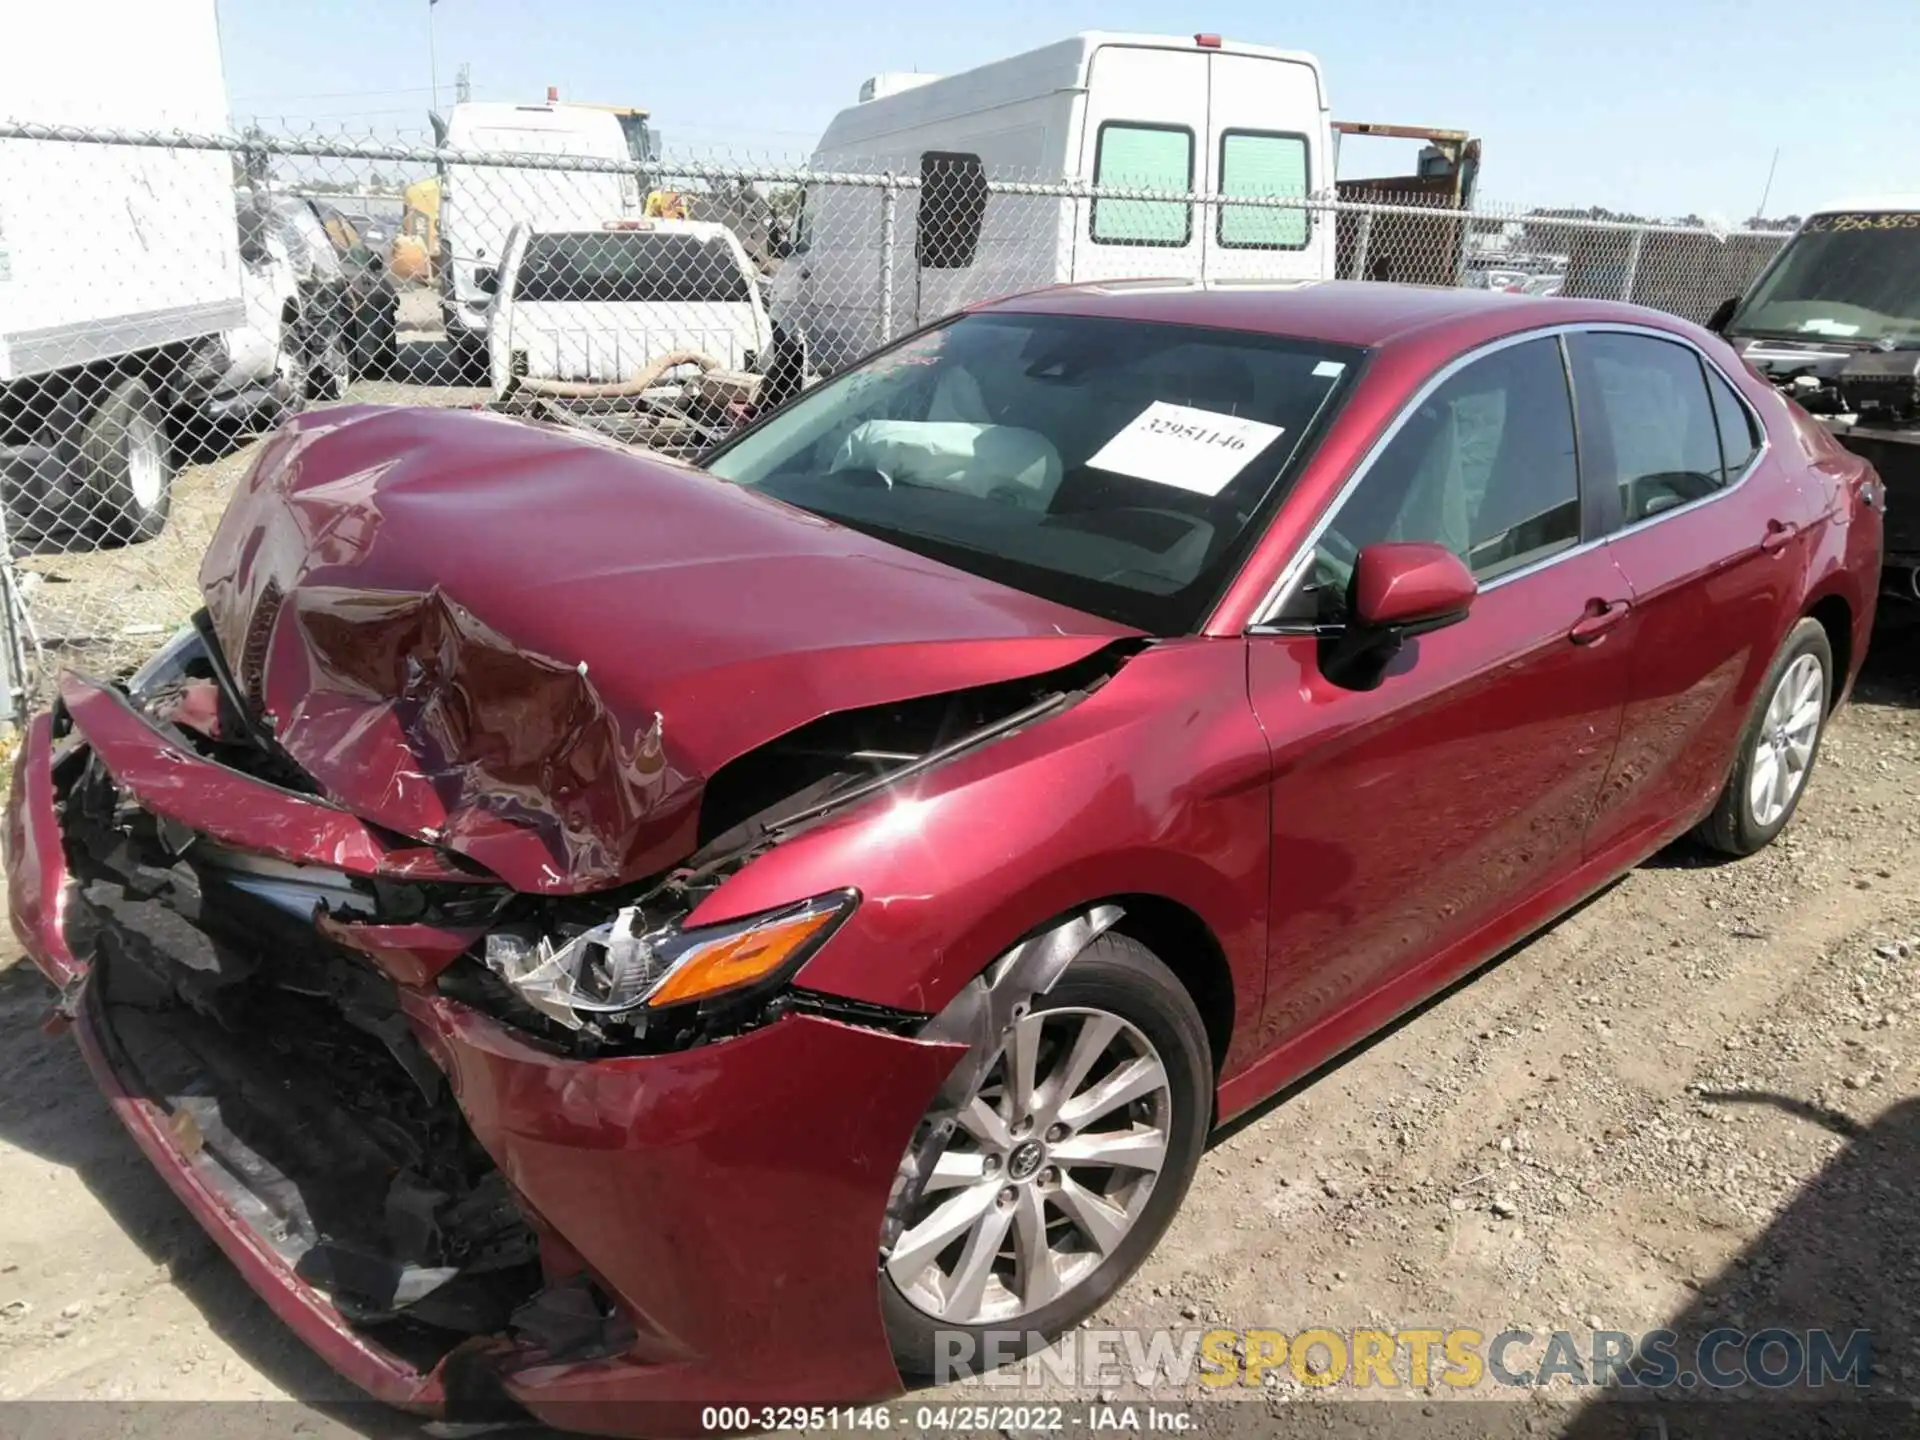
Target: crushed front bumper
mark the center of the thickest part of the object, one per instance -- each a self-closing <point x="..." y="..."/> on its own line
<point x="729" y="1198"/>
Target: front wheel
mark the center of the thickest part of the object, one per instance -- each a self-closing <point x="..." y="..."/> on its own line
<point x="1061" y="1170"/>
<point x="1777" y="745"/>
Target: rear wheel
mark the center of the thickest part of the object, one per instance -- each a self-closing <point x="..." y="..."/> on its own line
<point x="1777" y="746"/>
<point x="1062" y="1169"/>
<point x="129" y="464"/>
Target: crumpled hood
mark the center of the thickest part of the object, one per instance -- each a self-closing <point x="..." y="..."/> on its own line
<point x="534" y="648"/>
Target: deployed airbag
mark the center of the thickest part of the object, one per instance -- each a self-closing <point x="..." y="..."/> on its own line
<point x="1002" y="462"/>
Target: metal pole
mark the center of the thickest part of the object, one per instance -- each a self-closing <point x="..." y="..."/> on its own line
<point x="1361" y="245"/>
<point x="1633" y="265"/>
<point x="13" y="653"/>
<point x="433" y="58"/>
<point x="889" y="205"/>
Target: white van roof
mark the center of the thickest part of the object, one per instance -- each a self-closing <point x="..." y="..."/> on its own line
<point x="1059" y="66"/>
<point x="501" y="115"/>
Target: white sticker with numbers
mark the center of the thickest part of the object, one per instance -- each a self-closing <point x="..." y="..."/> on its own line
<point x="1189" y="449"/>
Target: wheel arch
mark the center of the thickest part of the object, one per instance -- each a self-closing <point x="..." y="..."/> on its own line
<point x="1186" y="945"/>
<point x="1835" y="615"/>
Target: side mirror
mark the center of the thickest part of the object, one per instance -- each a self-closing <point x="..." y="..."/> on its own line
<point x="1723" y="314"/>
<point x="1400" y="589"/>
<point x="1410" y="587"/>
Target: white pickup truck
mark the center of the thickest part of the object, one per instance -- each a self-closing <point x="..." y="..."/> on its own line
<point x="586" y="313"/>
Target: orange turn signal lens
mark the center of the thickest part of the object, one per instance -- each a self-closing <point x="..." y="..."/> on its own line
<point x="741" y="958"/>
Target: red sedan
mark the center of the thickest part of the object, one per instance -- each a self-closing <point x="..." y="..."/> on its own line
<point x="607" y="937"/>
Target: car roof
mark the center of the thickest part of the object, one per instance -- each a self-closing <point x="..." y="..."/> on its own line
<point x="1369" y="313"/>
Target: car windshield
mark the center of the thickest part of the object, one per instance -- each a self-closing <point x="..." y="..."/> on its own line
<point x="1853" y="277"/>
<point x="1118" y="467"/>
<point x="631" y="266"/>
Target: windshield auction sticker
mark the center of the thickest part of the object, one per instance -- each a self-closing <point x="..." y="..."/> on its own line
<point x="1189" y="449"/>
<point x="1862" y="220"/>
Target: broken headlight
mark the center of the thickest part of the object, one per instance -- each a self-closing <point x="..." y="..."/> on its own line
<point x="166" y="664"/>
<point x="619" y="970"/>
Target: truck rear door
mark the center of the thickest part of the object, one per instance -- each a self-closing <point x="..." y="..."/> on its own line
<point x="1145" y="128"/>
<point x="1266" y="135"/>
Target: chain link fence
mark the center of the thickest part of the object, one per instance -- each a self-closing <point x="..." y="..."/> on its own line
<point x="166" y="298"/>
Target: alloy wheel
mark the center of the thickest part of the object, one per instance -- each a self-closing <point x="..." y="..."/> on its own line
<point x="1046" y="1171"/>
<point x="1783" y="750"/>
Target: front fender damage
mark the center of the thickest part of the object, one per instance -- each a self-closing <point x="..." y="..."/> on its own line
<point x="979" y="1017"/>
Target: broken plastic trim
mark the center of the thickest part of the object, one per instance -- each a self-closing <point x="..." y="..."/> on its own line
<point x="613" y="971"/>
<point x="979" y="1017"/>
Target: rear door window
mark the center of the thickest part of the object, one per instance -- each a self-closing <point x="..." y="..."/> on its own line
<point x="1257" y="163"/>
<point x="1647" y="424"/>
<point x="1140" y="156"/>
<point x="629" y="266"/>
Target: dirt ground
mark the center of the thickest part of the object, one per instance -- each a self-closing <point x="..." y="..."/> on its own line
<point x="1690" y="1102"/>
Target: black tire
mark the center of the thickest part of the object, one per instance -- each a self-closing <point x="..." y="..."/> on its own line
<point x="332" y="367"/>
<point x="469" y="354"/>
<point x="1120" y="975"/>
<point x="374" y="342"/>
<point x="129" y="465"/>
<point x="1733" y="828"/>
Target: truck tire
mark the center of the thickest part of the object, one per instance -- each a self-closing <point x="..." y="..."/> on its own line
<point x="129" y="465"/>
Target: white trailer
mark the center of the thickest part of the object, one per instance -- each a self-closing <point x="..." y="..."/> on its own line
<point x="1152" y="112"/>
<point x="118" y="264"/>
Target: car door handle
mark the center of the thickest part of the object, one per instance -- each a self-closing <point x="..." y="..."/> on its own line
<point x="1601" y="616"/>
<point x="1779" y="532"/>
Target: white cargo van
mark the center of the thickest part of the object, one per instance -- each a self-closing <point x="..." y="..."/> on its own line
<point x="119" y="268"/>
<point x="1157" y="112"/>
<point x="480" y="204"/>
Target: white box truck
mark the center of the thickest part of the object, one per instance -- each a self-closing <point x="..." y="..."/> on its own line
<point x="118" y="264"/>
<point x="1152" y="112"/>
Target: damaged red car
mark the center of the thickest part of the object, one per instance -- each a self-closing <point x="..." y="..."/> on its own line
<point x="601" y="936"/>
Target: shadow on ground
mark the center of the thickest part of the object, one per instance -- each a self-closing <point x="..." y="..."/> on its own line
<point x="1843" y="1258"/>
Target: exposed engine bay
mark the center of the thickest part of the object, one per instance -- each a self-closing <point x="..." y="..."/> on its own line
<point x="259" y="999"/>
<point x="1834" y="323"/>
<point x="1868" y="400"/>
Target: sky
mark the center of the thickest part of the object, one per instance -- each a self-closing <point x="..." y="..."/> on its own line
<point x="1662" y="107"/>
